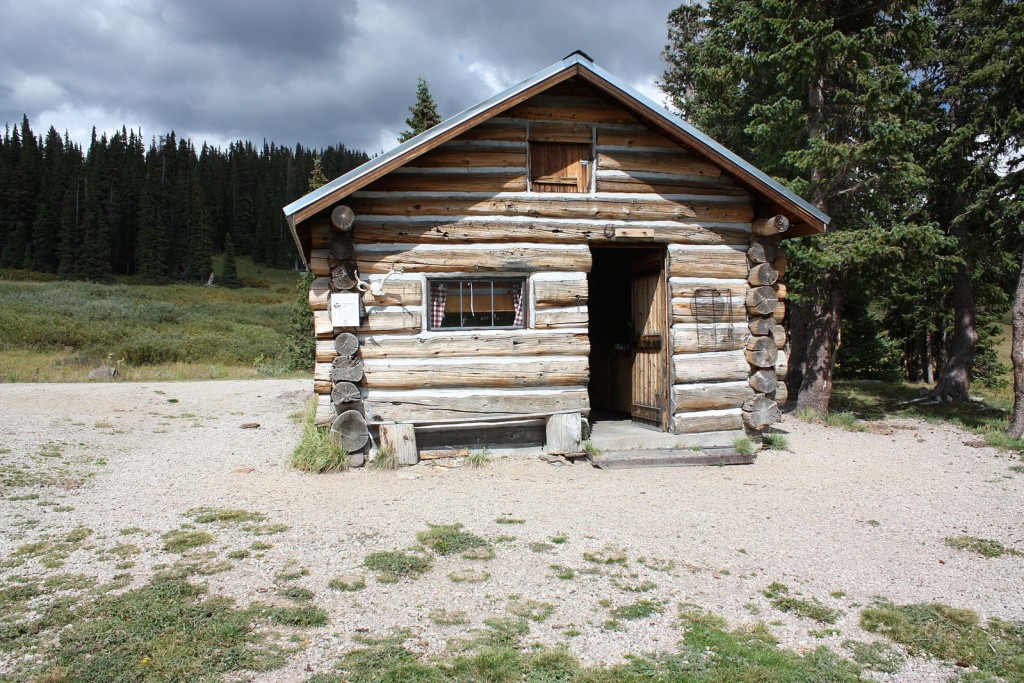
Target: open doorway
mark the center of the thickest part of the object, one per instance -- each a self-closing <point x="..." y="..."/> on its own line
<point x="629" y="335"/>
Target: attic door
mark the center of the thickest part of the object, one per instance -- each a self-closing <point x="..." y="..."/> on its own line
<point x="559" y="167"/>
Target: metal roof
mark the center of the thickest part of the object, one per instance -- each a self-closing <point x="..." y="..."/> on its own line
<point x="582" y="66"/>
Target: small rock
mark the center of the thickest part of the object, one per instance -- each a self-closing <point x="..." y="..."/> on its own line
<point x="103" y="372"/>
<point x="249" y="425"/>
<point x="356" y="459"/>
<point x="975" y="443"/>
<point x="244" y="470"/>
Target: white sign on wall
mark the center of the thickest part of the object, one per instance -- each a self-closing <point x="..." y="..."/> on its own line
<point x="346" y="309"/>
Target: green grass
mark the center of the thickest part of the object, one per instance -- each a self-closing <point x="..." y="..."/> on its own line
<point x="182" y="540"/>
<point x="533" y="610"/>
<point x="317" y="452"/>
<point x="479" y="458"/>
<point x="952" y="635"/>
<point x="397" y="563"/>
<point x="223" y="516"/>
<point x="303" y="616"/>
<point x="443" y="617"/>
<point x="875" y="656"/>
<point x="981" y="546"/>
<point x="59" y="331"/>
<point x="607" y="555"/>
<point x="448" y="539"/>
<point x="743" y="445"/>
<point x="385" y="460"/>
<point x="774" y="442"/>
<point x="349" y="583"/>
<point x="469" y="576"/>
<point x="781" y="599"/>
<point x="641" y="609"/>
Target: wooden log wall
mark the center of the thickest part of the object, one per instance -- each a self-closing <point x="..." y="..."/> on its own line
<point x="464" y="209"/>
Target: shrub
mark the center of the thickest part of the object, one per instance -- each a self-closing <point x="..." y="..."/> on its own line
<point x="317" y="451"/>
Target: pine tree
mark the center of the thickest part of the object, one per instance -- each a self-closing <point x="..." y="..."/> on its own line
<point x="423" y="114"/>
<point x="229" y="271"/>
<point x="301" y="351"/>
<point x="317" y="179"/>
<point x="816" y="94"/>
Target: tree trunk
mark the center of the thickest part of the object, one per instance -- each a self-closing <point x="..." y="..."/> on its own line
<point x="955" y="378"/>
<point x="799" y="329"/>
<point x="822" y="346"/>
<point x="1017" y="355"/>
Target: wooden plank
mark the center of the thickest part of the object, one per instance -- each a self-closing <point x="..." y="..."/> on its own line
<point x="322" y="327"/>
<point x="466" y="156"/>
<point x="708" y="310"/>
<point x="497" y="129"/>
<point x="688" y="288"/>
<point x="487" y="258"/>
<point x="709" y="262"/>
<point x="497" y="229"/>
<point x="400" y="439"/>
<point x="656" y="162"/>
<point x="556" y="108"/>
<point x="391" y="321"/>
<point x="711" y="208"/>
<point x="623" y="136"/>
<point x="720" y="366"/>
<point x="713" y="396"/>
<point x="695" y="423"/>
<point x="652" y="185"/>
<point x="451" y="182"/>
<point x="396" y="293"/>
<point x="546" y="319"/>
<point x="702" y="338"/>
<point x="510" y="343"/>
<point x="564" y="433"/>
<point x="320" y="233"/>
<point x="427" y="408"/>
<point x="318" y="262"/>
<point x="559" y="293"/>
<point x="532" y="372"/>
<point x="482" y="434"/>
<point x="325" y="351"/>
<point x="320" y="293"/>
<point x="779" y="312"/>
<point x="325" y="412"/>
<point x="561" y="131"/>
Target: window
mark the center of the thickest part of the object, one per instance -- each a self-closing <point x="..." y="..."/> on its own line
<point x="559" y="167"/>
<point x="467" y="304"/>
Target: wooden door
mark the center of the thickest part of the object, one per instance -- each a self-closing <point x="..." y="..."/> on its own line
<point x="650" y="364"/>
<point x="559" y="167"/>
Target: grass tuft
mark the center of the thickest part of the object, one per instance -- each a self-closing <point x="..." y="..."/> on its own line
<point x="533" y="610"/>
<point x="641" y="609"/>
<point x="398" y="564"/>
<point x="448" y="539"/>
<point x="479" y="458"/>
<point x="981" y="546"/>
<point x="182" y="540"/>
<point x="780" y="598"/>
<point x="223" y="516"/>
<point x="348" y="583"/>
<point x="317" y="451"/>
<point x="743" y="445"/>
<point x="385" y="460"/>
<point x="774" y="442"/>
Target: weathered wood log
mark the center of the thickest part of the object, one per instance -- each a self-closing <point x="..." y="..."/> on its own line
<point x="667" y="184"/>
<point x="325" y="412"/>
<point x="770" y="226"/>
<point x="564" y="433"/>
<point x="762" y="250"/>
<point x="320" y="293"/>
<point x="669" y="161"/>
<point x="345" y="392"/>
<point x="347" y="369"/>
<point x="322" y="327"/>
<point x="346" y="344"/>
<point x="559" y="293"/>
<point x="761" y="325"/>
<point x="322" y="386"/>
<point x="506" y="343"/>
<point x="781" y="262"/>
<point x="400" y="439"/>
<point x="396" y="293"/>
<point x="561" y="319"/>
<point x="501" y="129"/>
<point x="392" y="320"/>
<point x="700" y="338"/>
<point x="561" y="131"/>
<point x="686" y="288"/>
<point x="781" y="291"/>
<point x="628" y="136"/>
<point x="431" y="407"/>
<point x="722" y="366"/>
<point x="726" y="208"/>
<point x="760" y="411"/>
<point x="318" y="261"/>
<point x="342" y="218"/>
<point x="325" y="351"/>
<point x="761" y="352"/>
<point x="709" y="310"/>
<point x="763" y="381"/>
<point x="520" y="259"/>
<point x="459" y="180"/>
<point x="714" y="396"/>
<point x="342" y="248"/>
<point x="708" y="421"/>
<point x="571" y="108"/>
<point x="707" y="262"/>
<point x="779" y="334"/>
<point x="349" y="431"/>
<point x="781" y="365"/>
<point x="781" y="394"/>
<point x="536" y="372"/>
<point x="319" y="233"/>
<point x="779" y="312"/>
<point x="343" y="276"/>
<point x="376" y="229"/>
<point x="762" y="274"/>
<point x="761" y="300"/>
<point x="466" y="156"/>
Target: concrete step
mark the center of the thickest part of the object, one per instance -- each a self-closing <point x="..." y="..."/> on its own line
<point x="669" y="457"/>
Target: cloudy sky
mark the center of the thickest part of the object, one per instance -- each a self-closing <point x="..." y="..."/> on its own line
<point x="312" y="71"/>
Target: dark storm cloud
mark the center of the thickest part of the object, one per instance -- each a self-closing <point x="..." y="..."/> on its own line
<point x="316" y="72"/>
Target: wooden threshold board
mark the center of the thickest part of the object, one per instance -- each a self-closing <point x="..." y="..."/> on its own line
<point x="670" y="457"/>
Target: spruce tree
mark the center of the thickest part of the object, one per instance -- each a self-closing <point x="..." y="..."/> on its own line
<point x="317" y="179"/>
<point x="229" y="271"/>
<point x="301" y="351"/>
<point x="423" y="114"/>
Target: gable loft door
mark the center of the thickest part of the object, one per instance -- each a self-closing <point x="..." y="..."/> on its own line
<point x="559" y="167"/>
<point x="649" y="400"/>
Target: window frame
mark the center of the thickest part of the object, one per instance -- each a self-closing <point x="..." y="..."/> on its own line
<point x="523" y="280"/>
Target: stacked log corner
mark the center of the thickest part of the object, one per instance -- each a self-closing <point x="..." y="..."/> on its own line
<point x="765" y="308"/>
<point x="338" y="370"/>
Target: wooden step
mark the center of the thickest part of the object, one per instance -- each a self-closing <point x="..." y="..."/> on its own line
<point x="670" y="457"/>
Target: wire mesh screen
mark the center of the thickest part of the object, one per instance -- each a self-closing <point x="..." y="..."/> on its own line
<point x="712" y="311"/>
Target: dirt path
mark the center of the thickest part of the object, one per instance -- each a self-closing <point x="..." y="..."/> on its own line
<point x="845" y="517"/>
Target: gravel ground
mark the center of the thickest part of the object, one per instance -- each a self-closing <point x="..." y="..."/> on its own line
<point x="845" y="517"/>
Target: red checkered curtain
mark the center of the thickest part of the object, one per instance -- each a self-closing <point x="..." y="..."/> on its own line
<point x="517" y="303"/>
<point x="438" y="298"/>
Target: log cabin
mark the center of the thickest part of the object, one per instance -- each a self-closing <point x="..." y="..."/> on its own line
<point x="563" y="251"/>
